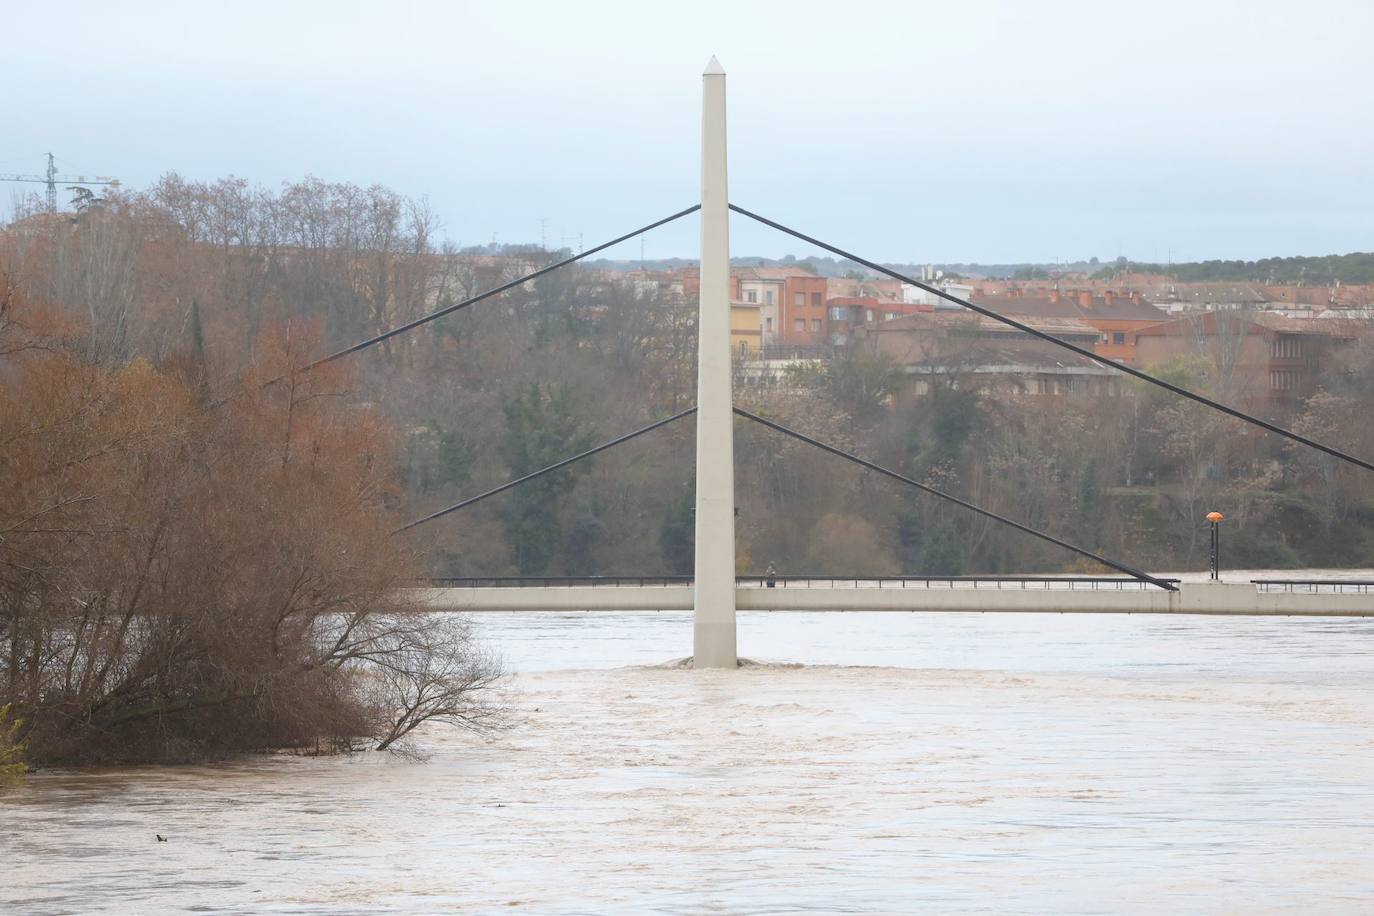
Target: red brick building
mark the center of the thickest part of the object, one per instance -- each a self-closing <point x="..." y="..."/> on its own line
<point x="846" y="313"/>
<point x="791" y="303"/>
<point x="1258" y="358"/>
<point x="964" y="348"/>
<point x="1117" y="316"/>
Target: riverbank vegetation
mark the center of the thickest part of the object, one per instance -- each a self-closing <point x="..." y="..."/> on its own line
<point x="579" y="357"/>
<point x="185" y="575"/>
<point x="12" y="764"/>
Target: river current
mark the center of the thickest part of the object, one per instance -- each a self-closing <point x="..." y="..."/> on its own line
<point x="871" y="762"/>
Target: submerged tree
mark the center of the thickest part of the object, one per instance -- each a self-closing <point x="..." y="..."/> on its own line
<point x="12" y="765"/>
<point x="180" y="580"/>
<point x="431" y="669"/>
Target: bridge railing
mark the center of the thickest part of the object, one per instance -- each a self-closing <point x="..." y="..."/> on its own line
<point x="1317" y="586"/>
<point x="556" y="581"/>
<point x="1070" y="583"/>
<point x="987" y="582"/>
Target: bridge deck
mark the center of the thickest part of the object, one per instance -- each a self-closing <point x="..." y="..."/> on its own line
<point x="1242" y="599"/>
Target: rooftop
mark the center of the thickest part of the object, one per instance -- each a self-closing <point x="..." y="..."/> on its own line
<point x="972" y="321"/>
<point x="1067" y="305"/>
<point x="1251" y="322"/>
<point x="1012" y="358"/>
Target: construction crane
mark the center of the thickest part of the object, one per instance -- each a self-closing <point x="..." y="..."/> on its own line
<point x="52" y="179"/>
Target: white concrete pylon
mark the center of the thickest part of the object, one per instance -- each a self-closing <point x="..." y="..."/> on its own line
<point x="713" y="636"/>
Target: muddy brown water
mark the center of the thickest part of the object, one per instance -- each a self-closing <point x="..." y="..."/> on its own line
<point x="878" y="763"/>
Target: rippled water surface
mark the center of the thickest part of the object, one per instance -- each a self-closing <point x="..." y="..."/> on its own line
<point x="942" y="762"/>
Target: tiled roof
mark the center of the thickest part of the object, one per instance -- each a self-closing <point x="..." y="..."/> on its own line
<point x="1251" y="323"/>
<point x="771" y="273"/>
<point x="1121" y="308"/>
<point x="1286" y="325"/>
<point x="1024" y="356"/>
<point x="966" y="319"/>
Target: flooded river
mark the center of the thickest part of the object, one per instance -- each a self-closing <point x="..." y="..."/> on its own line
<point x="875" y="762"/>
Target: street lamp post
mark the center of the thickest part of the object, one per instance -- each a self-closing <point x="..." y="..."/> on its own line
<point x="1214" y="518"/>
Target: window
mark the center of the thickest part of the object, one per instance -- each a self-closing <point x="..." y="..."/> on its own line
<point x="816" y="299"/>
<point x="1118" y="337"/>
<point x="889" y="315"/>
<point x="752" y="296"/>
<point x="768" y="296"/>
<point x="1286" y="346"/>
<point x="768" y="325"/>
<point x="837" y="314"/>
<point x="799" y="299"/>
<point x="1283" y="379"/>
<point x="744" y="348"/>
<point x="816" y="325"/>
<point x="800" y="324"/>
<point x="868" y="314"/>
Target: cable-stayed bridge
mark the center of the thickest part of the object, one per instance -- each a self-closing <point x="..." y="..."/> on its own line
<point x="1001" y="594"/>
<point x="714" y="593"/>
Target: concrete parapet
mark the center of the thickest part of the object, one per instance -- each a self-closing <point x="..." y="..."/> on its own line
<point x="984" y="600"/>
<point x="1243" y="598"/>
<point x="1239" y="599"/>
<point x="560" y="600"/>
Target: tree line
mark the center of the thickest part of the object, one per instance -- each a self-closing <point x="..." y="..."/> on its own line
<point x="581" y="356"/>
<point x="1357" y="267"/>
<point x="188" y="572"/>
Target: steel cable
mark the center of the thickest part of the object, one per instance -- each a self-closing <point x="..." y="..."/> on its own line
<point x="449" y="309"/>
<point x="863" y="462"/>
<point x="542" y="471"/>
<point x="1089" y="354"/>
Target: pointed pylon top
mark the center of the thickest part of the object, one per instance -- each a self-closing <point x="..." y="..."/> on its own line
<point x="713" y="68"/>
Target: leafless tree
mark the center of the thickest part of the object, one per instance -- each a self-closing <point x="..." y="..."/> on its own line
<point x="433" y="670"/>
<point x="179" y="580"/>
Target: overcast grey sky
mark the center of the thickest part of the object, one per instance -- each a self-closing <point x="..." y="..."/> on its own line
<point x="932" y="132"/>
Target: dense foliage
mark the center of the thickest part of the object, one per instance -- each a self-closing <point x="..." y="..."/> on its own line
<point x="580" y="356"/>
<point x="1357" y="267"/>
<point x="183" y="577"/>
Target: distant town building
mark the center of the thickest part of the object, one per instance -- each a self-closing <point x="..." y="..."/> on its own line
<point x="1258" y="358"/>
<point x="881" y="289"/>
<point x="965" y="348"/>
<point x="1116" y="315"/>
<point x="1176" y="298"/>
<point x="746" y="330"/>
<point x="845" y="313"/>
<point x="791" y="303"/>
<point x="915" y="295"/>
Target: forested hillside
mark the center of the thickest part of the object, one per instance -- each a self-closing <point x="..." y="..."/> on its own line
<point x="1357" y="267"/>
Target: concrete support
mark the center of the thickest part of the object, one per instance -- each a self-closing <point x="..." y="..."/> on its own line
<point x="713" y="639"/>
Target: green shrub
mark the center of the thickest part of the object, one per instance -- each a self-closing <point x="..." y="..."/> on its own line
<point x="1248" y="548"/>
<point x="12" y="765"/>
